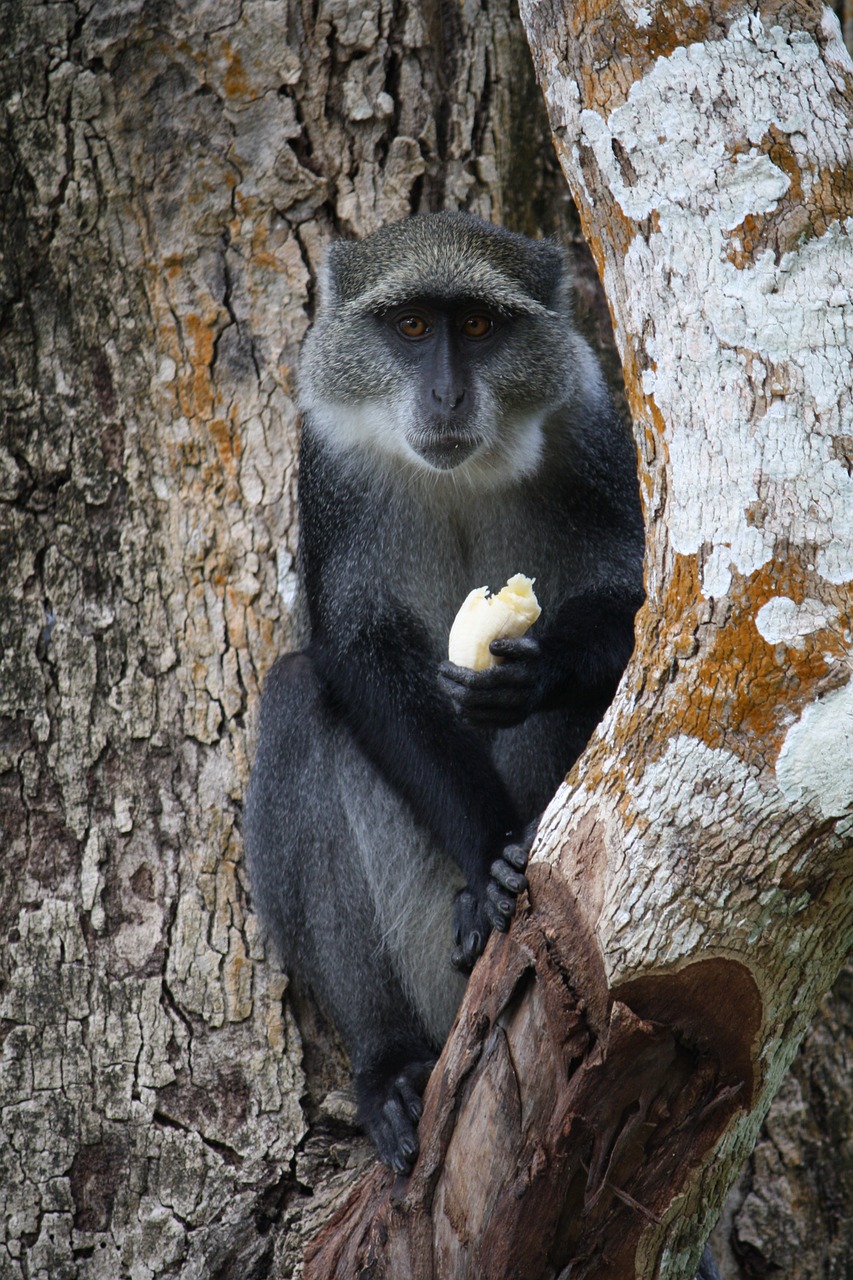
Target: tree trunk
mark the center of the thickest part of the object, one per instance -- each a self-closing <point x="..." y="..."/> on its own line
<point x="789" y="1213"/>
<point x="691" y="890"/>
<point x="169" y="177"/>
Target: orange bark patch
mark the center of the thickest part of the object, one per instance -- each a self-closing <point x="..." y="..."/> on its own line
<point x="229" y="446"/>
<point x="797" y="215"/>
<point x="201" y="335"/>
<point x="615" y="52"/>
<point x="734" y="689"/>
<point x="236" y="81"/>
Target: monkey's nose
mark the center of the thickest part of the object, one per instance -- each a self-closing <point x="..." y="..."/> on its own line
<point x="448" y="398"/>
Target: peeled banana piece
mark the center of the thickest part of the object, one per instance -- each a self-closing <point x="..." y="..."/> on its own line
<point x="484" y="618"/>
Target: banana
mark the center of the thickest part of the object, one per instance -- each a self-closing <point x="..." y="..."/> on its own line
<point x="483" y="618"/>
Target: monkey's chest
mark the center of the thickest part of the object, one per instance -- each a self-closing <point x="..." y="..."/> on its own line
<point x="436" y="559"/>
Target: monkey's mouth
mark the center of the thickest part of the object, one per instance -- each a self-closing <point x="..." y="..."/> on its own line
<point x="444" y="451"/>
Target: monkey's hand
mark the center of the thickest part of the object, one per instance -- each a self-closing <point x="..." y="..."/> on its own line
<point x="390" y="1107"/>
<point x="476" y="915"/>
<point x="500" y="696"/>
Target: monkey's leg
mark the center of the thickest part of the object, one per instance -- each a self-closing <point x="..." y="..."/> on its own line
<point x="356" y="899"/>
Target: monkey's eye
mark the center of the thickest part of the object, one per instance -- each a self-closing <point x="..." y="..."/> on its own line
<point x="413" y="326"/>
<point x="477" y="326"/>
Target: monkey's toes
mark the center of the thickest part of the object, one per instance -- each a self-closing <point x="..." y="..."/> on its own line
<point x="471" y="928"/>
<point x="394" y="1128"/>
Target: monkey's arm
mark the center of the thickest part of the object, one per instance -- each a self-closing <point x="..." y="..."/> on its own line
<point x="576" y="662"/>
<point x="387" y="695"/>
<point x="384" y="688"/>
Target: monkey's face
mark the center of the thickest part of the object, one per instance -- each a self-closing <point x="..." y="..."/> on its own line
<point x="447" y="385"/>
<point x="445" y="350"/>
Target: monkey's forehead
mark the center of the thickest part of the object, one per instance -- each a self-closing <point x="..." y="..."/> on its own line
<point x="445" y="257"/>
<point x="495" y="292"/>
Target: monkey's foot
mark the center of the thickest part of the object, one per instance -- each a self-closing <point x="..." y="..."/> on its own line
<point x="390" y="1108"/>
<point x="471" y="928"/>
<point x="506" y="882"/>
<point x="476" y="915"/>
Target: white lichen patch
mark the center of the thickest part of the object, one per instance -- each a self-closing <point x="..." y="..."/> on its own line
<point x="698" y="798"/>
<point x="702" y="803"/>
<point x="639" y="14"/>
<point x="690" y="146"/>
<point x="680" y="783"/>
<point x="815" y="765"/>
<point x="782" y="621"/>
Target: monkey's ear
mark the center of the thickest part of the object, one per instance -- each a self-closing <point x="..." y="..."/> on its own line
<point x="556" y="274"/>
<point x="555" y="277"/>
<point x="335" y="272"/>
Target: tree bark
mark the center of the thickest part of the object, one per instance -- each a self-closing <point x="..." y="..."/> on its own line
<point x="789" y="1212"/>
<point x="169" y="177"/>
<point x="691" y="888"/>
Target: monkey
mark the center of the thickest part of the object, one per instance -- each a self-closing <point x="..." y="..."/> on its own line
<point x="456" y="429"/>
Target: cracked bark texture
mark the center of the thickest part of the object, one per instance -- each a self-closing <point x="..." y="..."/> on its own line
<point x="712" y="165"/>
<point x="169" y="177"/>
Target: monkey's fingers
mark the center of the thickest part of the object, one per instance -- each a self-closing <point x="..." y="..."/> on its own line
<point x="410" y="1098"/>
<point x="395" y="1132"/>
<point x="470" y="930"/>
<point x="396" y="1136"/>
<point x="516" y="855"/>
<point x="466" y="955"/>
<point x="520" y="649"/>
<point x="497" y="707"/>
<point x="506" y="883"/>
<point x="511" y="675"/>
<point x="499" y="906"/>
<point x="509" y="878"/>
